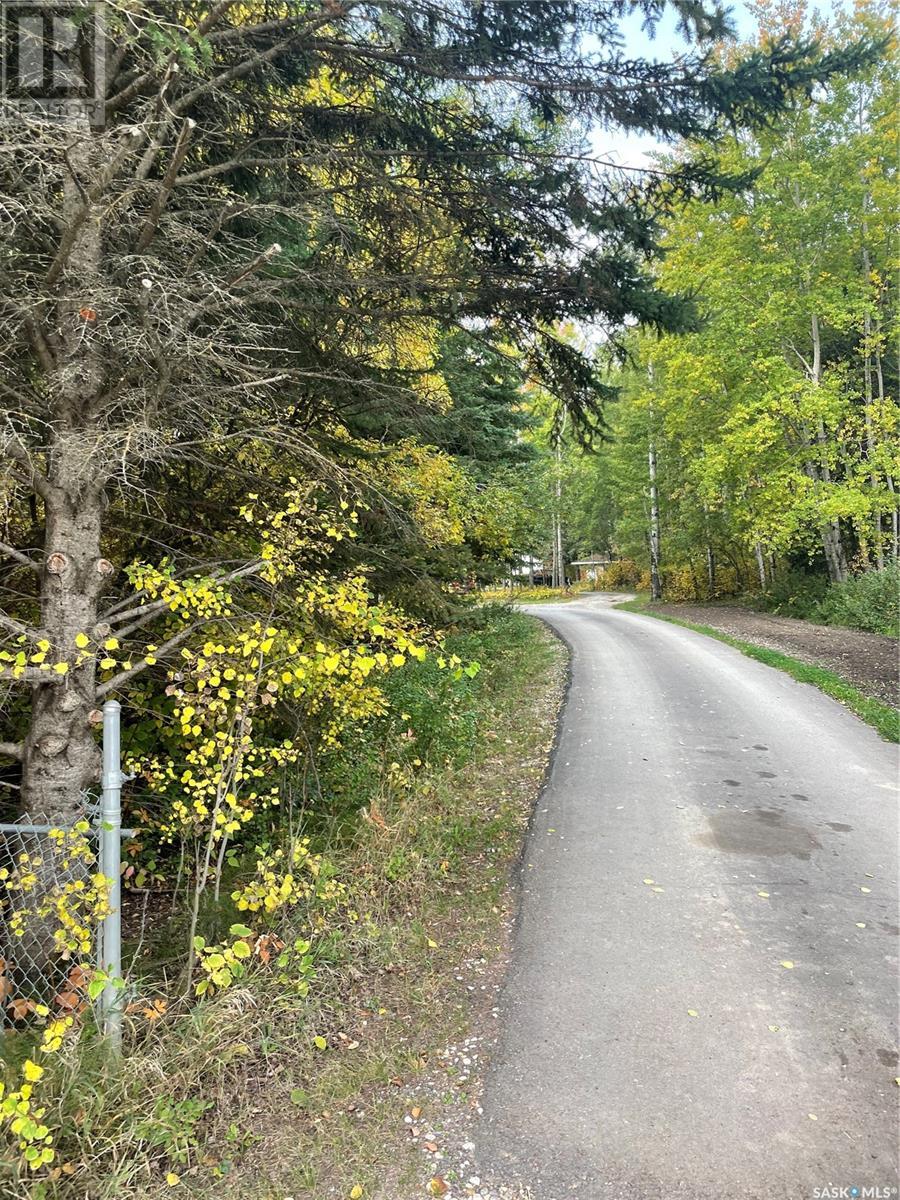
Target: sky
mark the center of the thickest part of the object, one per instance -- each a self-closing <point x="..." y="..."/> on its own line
<point x="632" y="149"/>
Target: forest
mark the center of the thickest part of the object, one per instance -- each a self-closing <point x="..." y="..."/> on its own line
<point x="321" y="319"/>
<point x="772" y="429"/>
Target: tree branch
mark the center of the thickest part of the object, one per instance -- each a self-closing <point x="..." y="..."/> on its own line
<point x="11" y="446"/>
<point x="165" y="188"/>
<point x="17" y="627"/>
<point x="19" y="557"/>
<point x="123" y="676"/>
<point x="11" y="750"/>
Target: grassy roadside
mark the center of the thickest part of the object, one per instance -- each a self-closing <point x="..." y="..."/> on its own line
<point x="882" y="717"/>
<point x="260" y="1093"/>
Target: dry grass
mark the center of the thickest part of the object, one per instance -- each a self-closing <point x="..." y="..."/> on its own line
<point x="234" y="1096"/>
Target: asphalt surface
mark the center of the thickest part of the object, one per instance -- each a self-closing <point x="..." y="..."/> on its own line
<point x="707" y="820"/>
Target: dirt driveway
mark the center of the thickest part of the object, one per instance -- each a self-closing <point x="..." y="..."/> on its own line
<point x="867" y="660"/>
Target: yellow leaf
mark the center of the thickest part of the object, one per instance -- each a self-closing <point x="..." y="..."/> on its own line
<point x="649" y="881"/>
<point x="864" y="889"/>
<point x="82" y="640"/>
<point x="860" y="924"/>
<point x="172" y="1179"/>
<point x="812" y="1116"/>
<point x="355" y="1192"/>
<point x="61" y="668"/>
<point x="107" y="663"/>
<point x="692" y="1012"/>
<point x="657" y="889"/>
<point x="788" y="964"/>
<point x="32" y="1071"/>
<point x="765" y="895"/>
<point x="432" y="945"/>
<point x="774" y="1028"/>
<point x="111" y="644"/>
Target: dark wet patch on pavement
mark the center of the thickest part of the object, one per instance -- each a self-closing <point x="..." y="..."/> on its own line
<point x="761" y="832"/>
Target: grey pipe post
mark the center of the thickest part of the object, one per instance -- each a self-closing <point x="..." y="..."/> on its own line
<point x="111" y="867"/>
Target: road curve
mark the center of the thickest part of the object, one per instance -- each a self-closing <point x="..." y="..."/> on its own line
<point x="707" y="822"/>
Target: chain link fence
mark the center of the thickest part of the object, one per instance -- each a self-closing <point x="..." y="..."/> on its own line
<point x="60" y="905"/>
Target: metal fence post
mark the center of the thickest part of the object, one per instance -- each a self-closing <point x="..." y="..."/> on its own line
<point x="111" y="866"/>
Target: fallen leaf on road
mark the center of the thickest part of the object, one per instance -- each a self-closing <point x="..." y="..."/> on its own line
<point x="788" y="964"/>
<point x="864" y="889"/>
<point x="415" y="1113"/>
<point x="860" y="924"/>
<point x="649" y="881"/>
<point x="692" y="1012"/>
<point x="812" y="1116"/>
<point x="774" y="1028"/>
<point x="658" y="889"/>
<point x="437" y="1187"/>
<point x="765" y="895"/>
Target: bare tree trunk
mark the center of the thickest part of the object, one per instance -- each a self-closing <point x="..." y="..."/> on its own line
<point x="889" y="479"/>
<point x="760" y="565"/>
<point x="655" y="584"/>
<point x="710" y="572"/>
<point x="60" y="756"/>
<point x="832" y="538"/>
<point x="559" y="570"/>
<point x="867" y="355"/>
<point x="895" y="522"/>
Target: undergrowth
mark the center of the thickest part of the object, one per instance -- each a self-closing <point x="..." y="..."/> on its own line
<point x="534" y="595"/>
<point x="869" y="602"/>
<point x="262" y="1091"/>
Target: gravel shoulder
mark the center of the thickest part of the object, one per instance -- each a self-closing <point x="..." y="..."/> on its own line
<point x="867" y="660"/>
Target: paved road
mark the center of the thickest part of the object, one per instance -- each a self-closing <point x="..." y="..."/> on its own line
<point x="707" y="821"/>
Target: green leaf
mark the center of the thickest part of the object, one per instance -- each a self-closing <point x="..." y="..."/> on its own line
<point x="240" y="931"/>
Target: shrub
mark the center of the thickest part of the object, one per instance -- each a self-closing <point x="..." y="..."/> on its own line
<point x="795" y="594"/>
<point x="870" y="602"/>
<point x="624" y="573"/>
